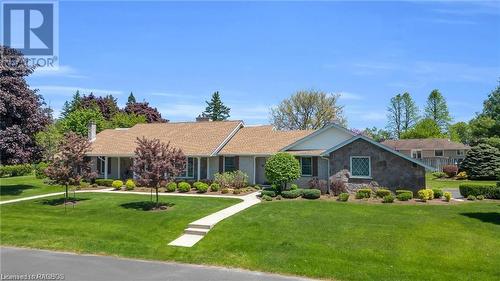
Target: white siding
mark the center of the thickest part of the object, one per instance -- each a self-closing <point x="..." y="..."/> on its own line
<point x="323" y="140"/>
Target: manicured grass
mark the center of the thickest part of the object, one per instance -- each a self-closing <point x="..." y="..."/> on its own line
<point x="323" y="239"/>
<point x="432" y="182"/>
<point x="104" y="223"/>
<point x="24" y="186"/>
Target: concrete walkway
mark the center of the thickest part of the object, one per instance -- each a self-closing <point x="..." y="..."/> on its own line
<point x="199" y="228"/>
<point x="74" y="267"/>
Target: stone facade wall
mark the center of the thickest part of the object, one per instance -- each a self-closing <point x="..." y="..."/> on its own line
<point x="387" y="169"/>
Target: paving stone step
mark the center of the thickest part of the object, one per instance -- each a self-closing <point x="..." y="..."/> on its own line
<point x="197" y="231"/>
<point x="197" y="225"/>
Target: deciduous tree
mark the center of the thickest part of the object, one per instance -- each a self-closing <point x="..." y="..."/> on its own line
<point x="379" y="135"/>
<point x="402" y="114"/>
<point x="156" y="162"/>
<point x="460" y="132"/>
<point x="216" y="110"/>
<point x="425" y="128"/>
<point x="308" y="110"/>
<point x="125" y="120"/>
<point x="49" y="141"/>
<point x="70" y="165"/>
<point x="21" y="110"/>
<point x="77" y="121"/>
<point x="281" y="169"/>
<point x="142" y="108"/>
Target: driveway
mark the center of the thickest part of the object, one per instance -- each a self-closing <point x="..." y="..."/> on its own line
<point x="89" y="267"/>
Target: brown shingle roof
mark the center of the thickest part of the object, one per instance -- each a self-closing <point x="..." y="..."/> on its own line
<point x="194" y="138"/>
<point x="261" y="140"/>
<point x="426" y="144"/>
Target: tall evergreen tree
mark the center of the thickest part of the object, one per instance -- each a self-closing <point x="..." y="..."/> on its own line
<point x="72" y="105"/>
<point x="131" y="98"/>
<point x="437" y="110"/>
<point x="215" y="109"/>
<point x="410" y="112"/>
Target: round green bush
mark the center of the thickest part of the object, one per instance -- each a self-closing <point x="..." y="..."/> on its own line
<point x="270" y="193"/>
<point x="381" y="193"/>
<point x="202" y="187"/>
<point x="388" y="199"/>
<point x="438" y="193"/>
<point x="282" y="168"/>
<point x="267" y="198"/>
<point x="214" y="187"/>
<point x="171" y="186"/>
<point x="480" y="197"/>
<point x="471" y="197"/>
<point x="343" y="196"/>
<point x="291" y="194"/>
<point x="405" y="196"/>
<point x="363" y="193"/>
<point x="117" y="184"/>
<point x="311" y="193"/>
<point x="224" y="190"/>
<point x="399" y="191"/>
<point x="294" y="186"/>
<point x="130" y="184"/>
<point x="447" y="196"/>
<point x="236" y="191"/>
<point x="196" y="184"/>
<point x="183" y="187"/>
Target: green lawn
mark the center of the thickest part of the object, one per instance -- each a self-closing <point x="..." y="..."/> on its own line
<point x="431" y="182"/>
<point x="24" y="186"/>
<point x="323" y="239"/>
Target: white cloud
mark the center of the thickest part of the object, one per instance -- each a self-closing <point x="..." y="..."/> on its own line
<point x="70" y="90"/>
<point x="349" y="96"/>
<point x="181" y="111"/>
<point x="60" y="71"/>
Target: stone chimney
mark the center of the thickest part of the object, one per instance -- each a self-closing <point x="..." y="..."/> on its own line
<point x="202" y="118"/>
<point x="91" y="131"/>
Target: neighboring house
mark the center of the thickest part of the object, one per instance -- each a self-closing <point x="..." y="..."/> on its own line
<point x="215" y="147"/>
<point x="432" y="152"/>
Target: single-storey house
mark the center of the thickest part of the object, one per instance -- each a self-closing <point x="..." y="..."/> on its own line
<point x="219" y="146"/>
<point x="433" y="152"/>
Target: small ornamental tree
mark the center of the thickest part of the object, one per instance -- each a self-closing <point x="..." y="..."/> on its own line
<point x="156" y="162"/>
<point x="482" y="162"/>
<point x="281" y="169"/>
<point x="70" y="165"/>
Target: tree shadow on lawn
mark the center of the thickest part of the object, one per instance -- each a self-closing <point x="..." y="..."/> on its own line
<point x="60" y="201"/>
<point x="146" y="205"/>
<point x="14" y="189"/>
<point x="490" y="217"/>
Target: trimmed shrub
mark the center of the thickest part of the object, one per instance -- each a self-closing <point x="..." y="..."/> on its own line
<point x="196" y="184"/>
<point x="271" y="193"/>
<point x="337" y="187"/>
<point x="388" y="198"/>
<point x="447" y="196"/>
<point x="224" y="190"/>
<point x="405" y="196"/>
<point x="171" y="186"/>
<point x="438" y="175"/>
<point x="498" y="183"/>
<point x="282" y="168"/>
<point x="344" y="196"/>
<point x="257" y="187"/>
<point x="321" y="185"/>
<point x="399" y="191"/>
<point x="214" y="187"/>
<point x="104" y="182"/>
<point x="130" y="184"/>
<point x="293" y="186"/>
<point x="40" y="170"/>
<point x="267" y="198"/>
<point x="480" y="197"/>
<point x="363" y="193"/>
<point x="381" y="193"/>
<point x="291" y="194"/>
<point x="311" y="193"/>
<point x="15" y="170"/>
<point x="488" y="191"/>
<point x="117" y="184"/>
<point x="202" y="187"/>
<point x="471" y="197"/>
<point x="438" y="193"/>
<point x="236" y="191"/>
<point x="425" y="194"/>
<point x="235" y="179"/>
<point x="450" y="170"/>
<point x="183" y="187"/>
<point x="278" y="197"/>
<point x="461" y="176"/>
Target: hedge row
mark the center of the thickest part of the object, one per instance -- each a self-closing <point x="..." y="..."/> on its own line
<point x="486" y="190"/>
<point x="16" y="170"/>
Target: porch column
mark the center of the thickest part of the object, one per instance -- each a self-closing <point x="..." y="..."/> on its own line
<point x="208" y="168"/>
<point x="105" y="167"/>
<point x="133" y="172"/>
<point x="254" y="168"/>
<point x="199" y="168"/>
<point x="119" y="172"/>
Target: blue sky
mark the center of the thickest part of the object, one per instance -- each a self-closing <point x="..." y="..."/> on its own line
<point x="175" y="55"/>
